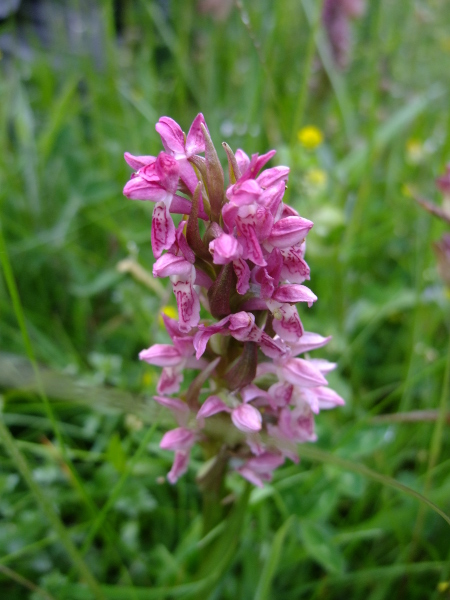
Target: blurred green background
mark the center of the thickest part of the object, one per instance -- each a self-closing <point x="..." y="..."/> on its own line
<point x="85" y="509"/>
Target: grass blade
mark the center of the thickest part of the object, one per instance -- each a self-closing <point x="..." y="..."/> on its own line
<point x="47" y="509"/>
<point x="272" y="560"/>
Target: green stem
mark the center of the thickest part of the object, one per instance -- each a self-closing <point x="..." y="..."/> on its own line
<point x="220" y="555"/>
<point x="212" y="485"/>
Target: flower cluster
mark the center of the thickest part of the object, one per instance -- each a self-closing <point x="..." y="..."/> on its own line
<point x="238" y="252"/>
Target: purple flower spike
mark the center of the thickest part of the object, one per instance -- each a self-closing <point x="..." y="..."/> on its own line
<point x="244" y="267"/>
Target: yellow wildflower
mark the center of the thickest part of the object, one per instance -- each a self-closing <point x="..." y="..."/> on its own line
<point x="310" y="137"/>
<point x="315" y="181"/>
<point x="316" y="177"/>
<point x="415" y="151"/>
<point x="443" y="586"/>
<point x="170" y="311"/>
<point x="147" y="378"/>
<point x="407" y="190"/>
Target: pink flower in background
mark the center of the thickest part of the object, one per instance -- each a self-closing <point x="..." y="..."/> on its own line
<point x="250" y="394"/>
<point x="336" y="17"/>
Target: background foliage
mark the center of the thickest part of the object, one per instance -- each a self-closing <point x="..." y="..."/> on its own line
<point x="85" y="509"/>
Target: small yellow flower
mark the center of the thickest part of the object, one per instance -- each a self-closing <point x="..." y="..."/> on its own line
<point x="315" y="181"/>
<point x="443" y="586"/>
<point x="415" y="151"/>
<point x="310" y="137"/>
<point x="170" y="311"/>
<point x="407" y="190"/>
<point x="147" y="378"/>
<point x="316" y="178"/>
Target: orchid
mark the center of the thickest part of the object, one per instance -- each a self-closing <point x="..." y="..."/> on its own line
<point x="255" y="391"/>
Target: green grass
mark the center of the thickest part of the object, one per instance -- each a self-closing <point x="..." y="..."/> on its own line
<point x="85" y="513"/>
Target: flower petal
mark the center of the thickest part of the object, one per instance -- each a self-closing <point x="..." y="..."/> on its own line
<point x="295" y="269"/>
<point x="170" y="380"/>
<point x="273" y="176"/>
<point x="289" y="231"/>
<point x="293" y="294"/>
<point x="179" y="467"/>
<point x="242" y="160"/>
<point x="171" y="135"/>
<point x="247" y="418"/>
<point x="212" y="406"/>
<point x="180" y="409"/>
<point x="139" y="188"/>
<point x="136" y="162"/>
<point x="242" y="271"/>
<point x="178" y="439"/>
<point x="169" y="264"/>
<point x="286" y="321"/>
<point x="309" y="341"/>
<point x="195" y="140"/>
<point x="328" y="398"/>
<point x="225" y="249"/>
<point x="163" y="229"/>
<point x="187" y="301"/>
<point x="301" y="372"/>
<point x="167" y="169"/>
<point x="161" y="355"/>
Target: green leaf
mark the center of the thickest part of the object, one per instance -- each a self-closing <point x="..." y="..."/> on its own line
<point x="116" y="454"/>
<point x="62" y="109"/>
<point x="271" y="563"/>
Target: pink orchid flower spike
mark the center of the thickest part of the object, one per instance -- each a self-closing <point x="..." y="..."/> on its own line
<point x="236" y="372"/>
